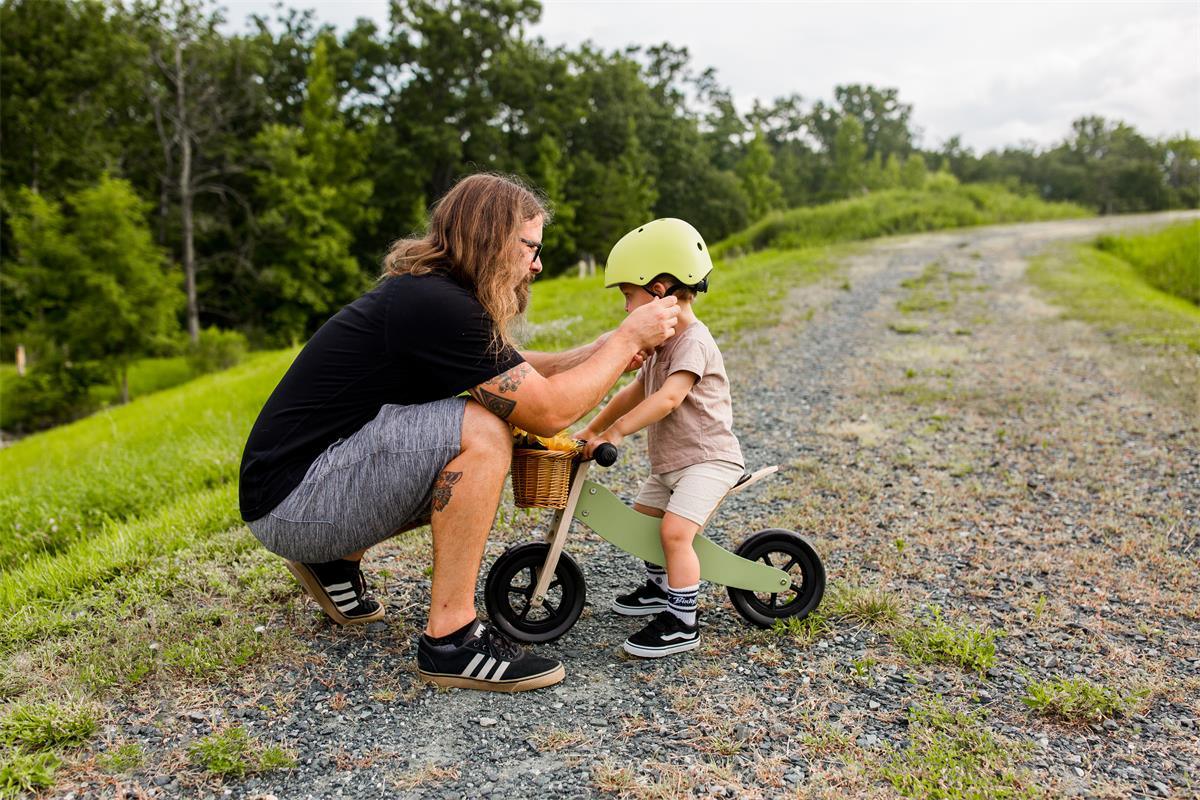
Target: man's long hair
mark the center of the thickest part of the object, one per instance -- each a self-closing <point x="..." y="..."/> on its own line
<point x="472" y="236"/>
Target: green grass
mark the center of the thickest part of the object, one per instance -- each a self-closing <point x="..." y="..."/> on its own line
<point x="68" y="484"/>
<point x="1077" y="700"/>
<point x="1168" y="260"/>
<point x="936" y="640"/>
<point x="234" y="752"/>
<point x="952" y="755"/>
<point x="1110" y="293"/>
<point x="895" y="211"/>
<point x="22" y="774"/>
<point x="47" y="725"/>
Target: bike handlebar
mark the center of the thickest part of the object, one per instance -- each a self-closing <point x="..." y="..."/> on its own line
<point x="606" y="454"/>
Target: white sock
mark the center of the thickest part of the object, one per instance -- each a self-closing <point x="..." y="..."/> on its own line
<point x="656" y="575"/>
<point x="682" y="602"/>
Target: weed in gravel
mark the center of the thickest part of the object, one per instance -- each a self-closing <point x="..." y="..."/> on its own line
<point x="423" y="776"/>
<point x="1078" y="700"/>
<point x="872" y="606"/>
<point x="123" y="758"/>
<point x="22" y="774"/>
<point x="908" y="327"/>
<point x="555" y="739"/>
<point x="611" y="778"/>
<point x="953" y="755"/>
<point x="48" y="725"/>
<point x="234" y="752"/>
<point x="936" y="640"/>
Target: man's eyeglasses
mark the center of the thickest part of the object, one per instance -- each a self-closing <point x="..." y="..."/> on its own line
<point x="537" y="249"/>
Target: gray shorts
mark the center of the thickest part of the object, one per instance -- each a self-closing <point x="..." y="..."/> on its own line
<point x="366" y="487"/>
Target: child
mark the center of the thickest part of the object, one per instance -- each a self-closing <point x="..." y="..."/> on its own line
<point x="681" y="395"/>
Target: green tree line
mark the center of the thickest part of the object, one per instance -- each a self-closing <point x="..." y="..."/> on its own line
<point x="162" y="174"/>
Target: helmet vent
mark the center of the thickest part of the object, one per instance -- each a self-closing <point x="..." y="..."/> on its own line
<point x="641" y="229"/>
<point x="700" y="247"/>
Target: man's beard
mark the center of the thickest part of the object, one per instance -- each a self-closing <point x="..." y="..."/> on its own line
<point x="522" y="294"/>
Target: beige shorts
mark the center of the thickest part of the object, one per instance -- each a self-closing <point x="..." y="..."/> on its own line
<point x="692" y="492"/>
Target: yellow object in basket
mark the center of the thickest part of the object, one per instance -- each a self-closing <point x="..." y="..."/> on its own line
<point x="559" y="441"/>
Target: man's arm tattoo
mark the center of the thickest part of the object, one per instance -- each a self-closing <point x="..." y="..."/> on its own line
<point x="500" y="406"/>
<point x="509" y="381"/>
<point x="442" y="488"/>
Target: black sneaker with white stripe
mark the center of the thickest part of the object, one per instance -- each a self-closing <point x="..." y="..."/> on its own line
<point x="339" y="589"/>
<point x="664" y="635"/>
<point x="646" y="599"/>
<point x="485" y="659"/>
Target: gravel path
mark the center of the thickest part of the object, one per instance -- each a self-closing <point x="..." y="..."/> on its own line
<point x="911" y="490"/>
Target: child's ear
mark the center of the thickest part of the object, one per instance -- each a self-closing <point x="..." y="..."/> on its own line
<point x="658" y="288"/>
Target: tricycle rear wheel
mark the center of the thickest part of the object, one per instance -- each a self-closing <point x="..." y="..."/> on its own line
<point x="792" y="553"/>
<point x="508" y="594"/>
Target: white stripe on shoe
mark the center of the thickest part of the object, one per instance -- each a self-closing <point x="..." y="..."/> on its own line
<point x="338" y="587"/>
<point x="485" y="669"/>
<point x="341" y="598"/>
<point x="499" y="673"/>
<point x="344" y="607"/>
<point x="468" y="672"/>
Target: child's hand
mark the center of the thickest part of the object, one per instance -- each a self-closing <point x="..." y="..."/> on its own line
<point x="638" y="359"/>
<point x="611" y="436"/>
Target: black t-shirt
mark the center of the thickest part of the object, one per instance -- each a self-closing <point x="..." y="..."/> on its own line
<point x="410" y="340"/>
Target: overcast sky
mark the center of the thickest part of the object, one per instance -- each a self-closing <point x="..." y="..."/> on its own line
<point x="996" y="73"/>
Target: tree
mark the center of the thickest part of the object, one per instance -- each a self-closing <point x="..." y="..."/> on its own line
<point x="754" y="170"/>
<point x="847" y="174"/>
<point x="69" y="87"/>
<point x="99" y="283"/>
<point x="913" y="173"/>
<point x="315" y="195"/>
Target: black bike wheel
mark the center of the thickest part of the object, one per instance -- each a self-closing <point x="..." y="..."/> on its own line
<point x="790" y="552"/>
<point x="509" y="591"/>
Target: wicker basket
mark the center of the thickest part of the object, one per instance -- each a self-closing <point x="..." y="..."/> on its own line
<point x="541" y="478"/>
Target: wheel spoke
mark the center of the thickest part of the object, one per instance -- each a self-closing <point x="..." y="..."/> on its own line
<point x="774" y="597"/>
<point x="524" y="612"/>
<point x="790" y="564"/>
<point x="556" y="583"/>
<point x="551" y="609"/>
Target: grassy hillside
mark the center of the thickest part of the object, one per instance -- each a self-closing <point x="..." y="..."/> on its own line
<point x="1095" y="285"/>
<point x="943" y="204"/>
<point x="1168" y="259"/>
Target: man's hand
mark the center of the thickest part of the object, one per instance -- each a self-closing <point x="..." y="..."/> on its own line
<point x="652" y="324"/>
<point x="612" y="436"/>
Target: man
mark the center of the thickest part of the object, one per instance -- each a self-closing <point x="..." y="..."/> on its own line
<point x="367" y="434"/>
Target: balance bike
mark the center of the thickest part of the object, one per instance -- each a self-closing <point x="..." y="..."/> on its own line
<point x="535" y="592"/>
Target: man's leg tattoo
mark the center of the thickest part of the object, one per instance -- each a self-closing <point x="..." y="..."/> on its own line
<point x="442" y="489"/>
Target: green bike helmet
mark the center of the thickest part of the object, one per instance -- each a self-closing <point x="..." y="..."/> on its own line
<point x="665" y="246"/>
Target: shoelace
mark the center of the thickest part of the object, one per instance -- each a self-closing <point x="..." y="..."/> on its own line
<point x="499" y="644"/>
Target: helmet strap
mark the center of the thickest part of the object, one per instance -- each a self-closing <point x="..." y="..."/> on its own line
<point x="702" y="286"/>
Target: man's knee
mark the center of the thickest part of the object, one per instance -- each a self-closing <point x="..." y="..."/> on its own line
<point x="483" y="430"/>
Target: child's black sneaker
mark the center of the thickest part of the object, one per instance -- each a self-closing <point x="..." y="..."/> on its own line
<point x="646" y="599"/>
<point x="485" y="659"/>
<point x="339" y="589"/>
<point x="664" y="635"/>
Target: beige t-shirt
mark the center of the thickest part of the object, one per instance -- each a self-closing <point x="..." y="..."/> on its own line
<point x="701" y="428"/>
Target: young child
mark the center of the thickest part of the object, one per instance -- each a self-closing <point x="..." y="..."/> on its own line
<point x="681" y="395"/>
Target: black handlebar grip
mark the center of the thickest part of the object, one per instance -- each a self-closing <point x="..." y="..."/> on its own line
<point x="606" y="454"/>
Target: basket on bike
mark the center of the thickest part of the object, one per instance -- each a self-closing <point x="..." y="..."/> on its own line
<point x="541" y="478"/>
<point x="541" y="469"/>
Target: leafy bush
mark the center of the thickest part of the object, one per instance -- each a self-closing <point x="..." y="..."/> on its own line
<point x="52" y="392"/>
<point x="1077" y="700"/>
<point x="941" y="204"/>
<point x="216" y="350"/>
<point x="1168" y="259"/>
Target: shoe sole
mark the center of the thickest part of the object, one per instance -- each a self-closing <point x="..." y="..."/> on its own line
<point x="519" y="685"/>
<point x="316" y="591"/>
<point x="659" y="652"/>
<point x="637" y="611"/>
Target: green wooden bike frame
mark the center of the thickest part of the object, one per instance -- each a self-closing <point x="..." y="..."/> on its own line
<point x="638" y="534"/>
